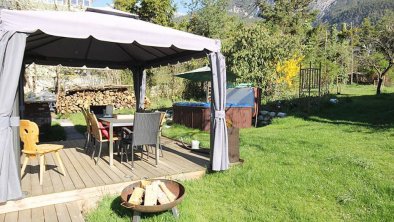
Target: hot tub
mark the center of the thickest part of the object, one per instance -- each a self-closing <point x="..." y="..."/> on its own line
<point x="197" y="115"/>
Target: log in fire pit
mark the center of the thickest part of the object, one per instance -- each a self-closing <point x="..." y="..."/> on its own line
<point x="177" y="189"/>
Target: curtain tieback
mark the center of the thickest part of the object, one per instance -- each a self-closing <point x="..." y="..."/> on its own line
<point x="9" y="121"/>
<point x="220" y="114"/>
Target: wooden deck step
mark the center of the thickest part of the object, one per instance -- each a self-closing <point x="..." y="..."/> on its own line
<point x="88" y="196"/>
<point x="65" y="212"/>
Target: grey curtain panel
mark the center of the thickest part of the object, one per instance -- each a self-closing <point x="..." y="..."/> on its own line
<point x="139" y="80"/>
<point x="12" y="47"/>
<point x="220" y="160"/>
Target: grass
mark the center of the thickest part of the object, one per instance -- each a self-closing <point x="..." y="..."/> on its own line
<point x="79" y="121"/>
<point x="160" y="103"/>
<point x="53" y="133"/>
<point x="333" y="165"/>
<point x="186" y="135"/>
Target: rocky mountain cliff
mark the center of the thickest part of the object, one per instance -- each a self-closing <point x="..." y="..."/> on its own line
<point x="339" y="11"/>
<point x="330" y="11"/>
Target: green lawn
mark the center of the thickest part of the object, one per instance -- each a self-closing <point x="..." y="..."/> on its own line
<point x="333" y="165"/>
<point x="186" y="135"/>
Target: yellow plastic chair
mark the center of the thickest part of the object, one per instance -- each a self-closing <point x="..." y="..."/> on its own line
<point x="29" y="135"/>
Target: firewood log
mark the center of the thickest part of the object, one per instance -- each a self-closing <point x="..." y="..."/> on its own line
<point x="136" y="196"/>
<point x="145" y="183"/>
<point x="161" y="196"/>
<point x="171" y="197"/>
<point x="151" y="192"/>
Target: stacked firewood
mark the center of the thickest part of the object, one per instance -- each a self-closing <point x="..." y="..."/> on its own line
<point x="151" y="193"/>
<point x="71" y="102"/>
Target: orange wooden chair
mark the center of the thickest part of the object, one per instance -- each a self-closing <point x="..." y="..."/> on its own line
<point x="85" y="113"/>
<point x="29" y="135"/>
<point x="100" y="134"/>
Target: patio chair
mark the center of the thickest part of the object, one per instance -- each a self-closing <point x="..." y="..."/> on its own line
<point x="29" y="135"/>
<point x="145" y="132"/>
<point x="162" y="121"/>
<point x="85" y="113"/>
<point x="100" y="134"/>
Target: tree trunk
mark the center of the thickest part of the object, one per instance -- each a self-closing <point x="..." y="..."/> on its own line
<point x="381" y="77"/>
<point x="380" y="82"/>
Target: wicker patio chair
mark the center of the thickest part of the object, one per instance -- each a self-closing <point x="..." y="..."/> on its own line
<point x="29" y="132"/>
<point x="146" y="131"/>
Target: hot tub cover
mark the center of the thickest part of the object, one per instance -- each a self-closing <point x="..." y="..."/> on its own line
<point x="208" y="105"/>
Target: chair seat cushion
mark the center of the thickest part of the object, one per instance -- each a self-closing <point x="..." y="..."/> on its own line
<point x="104" y="131"/>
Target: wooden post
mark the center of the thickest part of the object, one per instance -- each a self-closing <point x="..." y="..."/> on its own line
<point x="300" y="83"/>
<point x="351" y="44"/>
<point x="309" y="79"/>
<point x="319" y="73"/>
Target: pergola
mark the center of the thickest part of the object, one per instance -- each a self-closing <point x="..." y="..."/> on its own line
<point x="96" y="40"/>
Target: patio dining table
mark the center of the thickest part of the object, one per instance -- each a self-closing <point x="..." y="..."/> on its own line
<point x="113" y="122"/>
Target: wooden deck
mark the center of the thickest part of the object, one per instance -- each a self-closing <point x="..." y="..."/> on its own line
<point x="85" y="181"/>
<point x="67" y="212"/>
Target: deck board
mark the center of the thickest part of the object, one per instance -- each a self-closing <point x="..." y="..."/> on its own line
<point x="37" y="214"/>
<point x="86" y="165"/>
<point x="62" y="213"/>
<point x="71" y="171"/>
<point x="97" y="171"/>
<point x="12" y="216"/>
<point x="24" y="216"/>
<point x="66" y="180"/>
<point x="75" y="212"/>
<point x="78" y="167"/>
<point x="50" y="213"/>
<point x="26" y="184"/>
<point x="36" y="188"/>
<point x="112" y="172"/>
<point x="54" y="173"/>
<point x="47" y="185"/>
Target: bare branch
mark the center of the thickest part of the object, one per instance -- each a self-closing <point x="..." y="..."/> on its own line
<point x="386" y="70"/>
<point x="377" y="70"/>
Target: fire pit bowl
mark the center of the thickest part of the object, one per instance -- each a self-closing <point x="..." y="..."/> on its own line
<point x="176" y="188"/>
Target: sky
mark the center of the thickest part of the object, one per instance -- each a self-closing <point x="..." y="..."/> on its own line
<point x="179" y="4"/>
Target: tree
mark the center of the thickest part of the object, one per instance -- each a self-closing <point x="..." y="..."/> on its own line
<point x="156" y="11"/>
<point x="258" y="48"/>
<point x="377" y="46"/>
<point x="255" y="53"/>
<point x="210" y="18"/>
<point x="126" y="5"/>
<point x="291" y="17"/>
<point x="330" y="47"/>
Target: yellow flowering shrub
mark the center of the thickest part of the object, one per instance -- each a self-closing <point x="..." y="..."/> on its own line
<point x="289" y="69"/>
